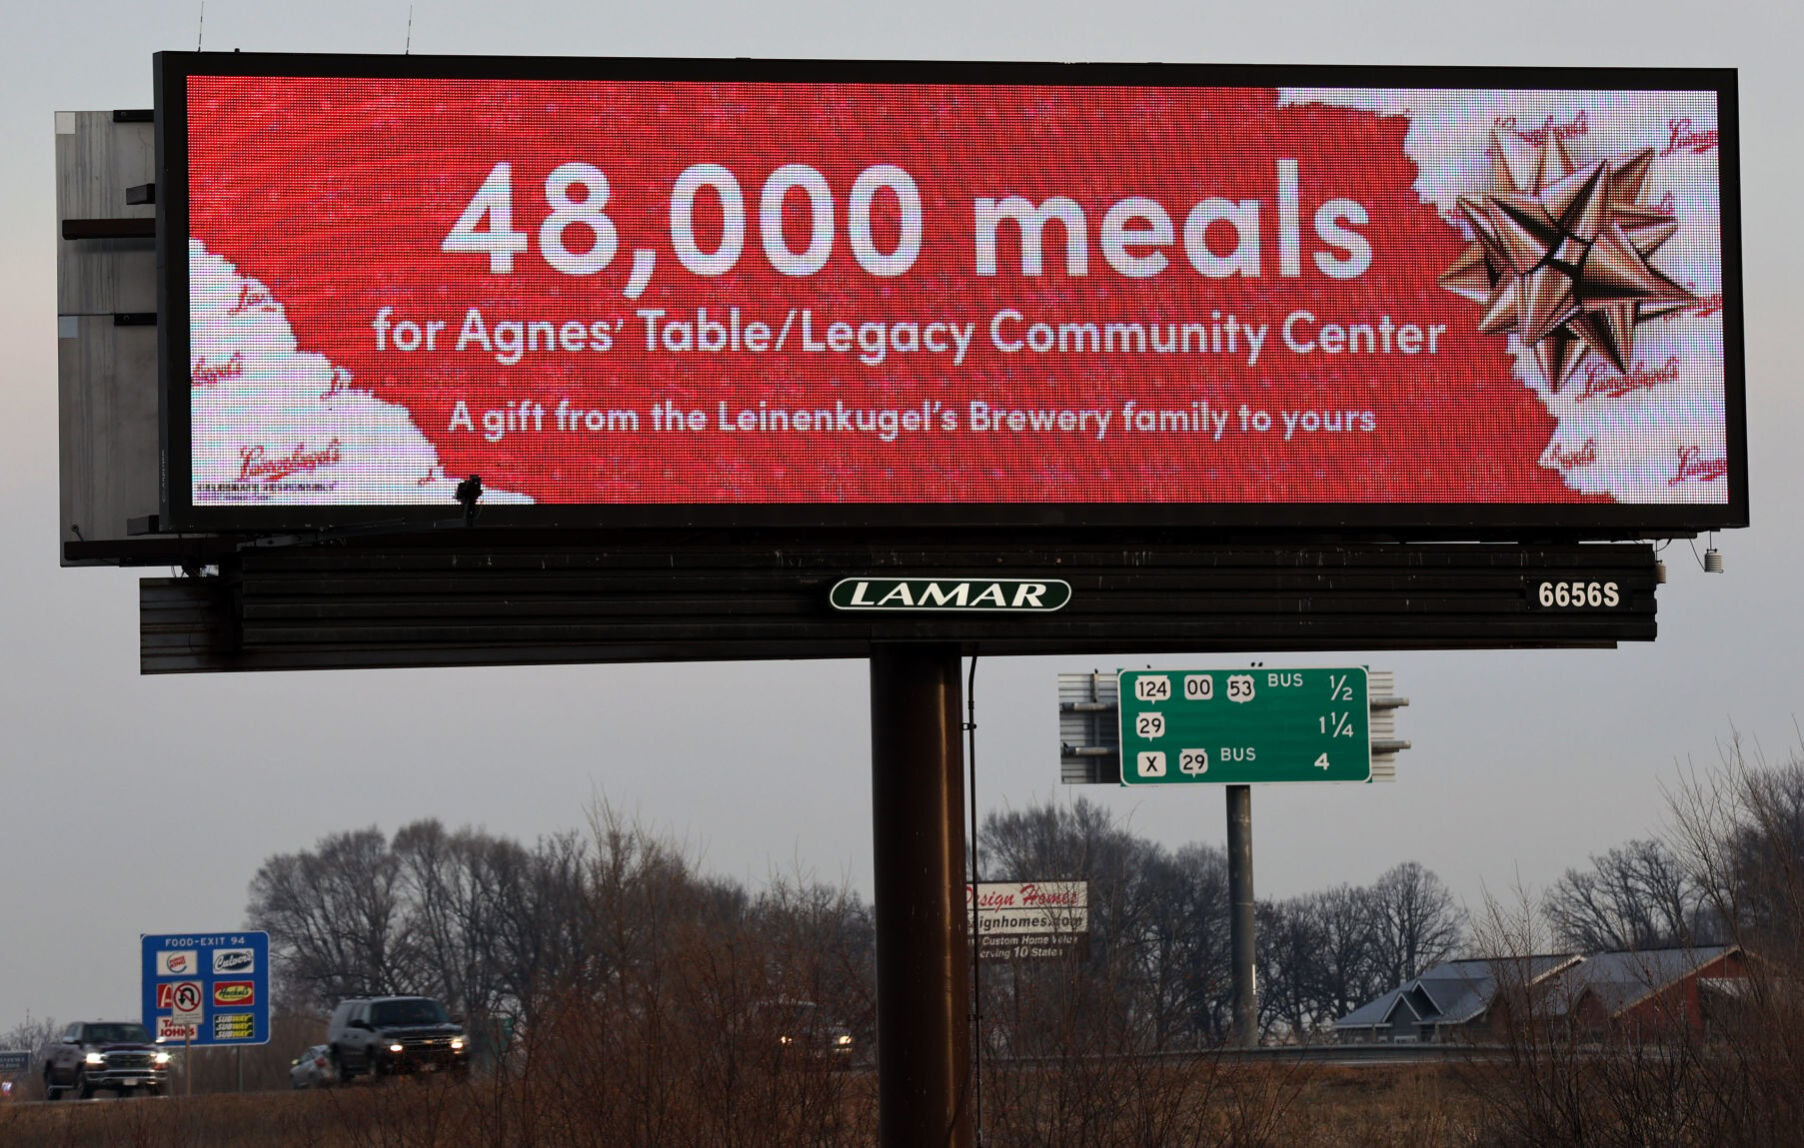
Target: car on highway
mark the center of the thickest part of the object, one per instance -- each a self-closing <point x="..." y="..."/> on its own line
<point x="802" y="1028"/>
<point x="379" y="1036"/>
<point x="311" y="1069"/>
<point x="94" y="1055"/>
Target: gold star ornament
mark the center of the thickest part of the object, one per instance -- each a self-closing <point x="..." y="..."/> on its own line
<point x="1561" y="258"/>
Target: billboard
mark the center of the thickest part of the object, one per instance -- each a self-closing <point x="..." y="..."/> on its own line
<point x="1028" y="920"/>
<point x="625" y="292"/>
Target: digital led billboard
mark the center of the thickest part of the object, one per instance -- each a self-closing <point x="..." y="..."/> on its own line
<point x="659" y="292"/>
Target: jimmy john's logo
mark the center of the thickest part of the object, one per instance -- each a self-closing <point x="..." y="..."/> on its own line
<point x="1010" y="595"/>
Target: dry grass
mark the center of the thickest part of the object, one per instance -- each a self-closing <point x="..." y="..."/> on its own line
<point x="1201" y="1103"/>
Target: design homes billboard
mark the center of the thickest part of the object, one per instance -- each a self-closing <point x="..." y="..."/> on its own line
<point x="866" y="294"/>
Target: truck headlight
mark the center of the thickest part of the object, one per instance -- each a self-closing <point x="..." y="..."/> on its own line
<point x="457" y="1044"/>
<point x="394" y="1048"/>
<point x="95" y="1058"/>
<point x="162" y="1058"/>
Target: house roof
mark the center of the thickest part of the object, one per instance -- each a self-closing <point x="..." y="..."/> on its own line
<point x="1454" y="992"/>
<point x="1622" y="980"/>
<point x="1372" y="1012"/>
<point x="1460" y="990"/>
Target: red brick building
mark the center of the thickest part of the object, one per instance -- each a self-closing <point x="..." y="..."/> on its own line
<point x="1654" y="993"/>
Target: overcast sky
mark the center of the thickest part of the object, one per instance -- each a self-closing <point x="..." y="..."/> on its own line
<point x="132" y="805"/>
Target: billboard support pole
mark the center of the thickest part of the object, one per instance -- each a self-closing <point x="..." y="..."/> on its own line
<point x="917" y="798"/>
<point x="1240" y="922"/>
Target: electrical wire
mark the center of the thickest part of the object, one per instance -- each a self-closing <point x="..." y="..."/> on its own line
<point x="1693" y="543"/>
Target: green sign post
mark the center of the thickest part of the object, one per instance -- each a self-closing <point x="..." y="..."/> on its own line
<point x="1238" y="727"/>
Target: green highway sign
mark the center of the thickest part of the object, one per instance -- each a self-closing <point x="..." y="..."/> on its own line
<point x="1234" y="727"/>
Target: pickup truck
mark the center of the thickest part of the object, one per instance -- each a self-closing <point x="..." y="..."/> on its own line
<point x="91" y="1055"/>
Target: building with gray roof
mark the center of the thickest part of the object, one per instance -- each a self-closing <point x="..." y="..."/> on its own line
<point x="1642" y="992"/>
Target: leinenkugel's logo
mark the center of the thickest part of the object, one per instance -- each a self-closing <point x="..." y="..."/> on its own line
<point x="256" y="463"/>
<point x="1023" y="595"/>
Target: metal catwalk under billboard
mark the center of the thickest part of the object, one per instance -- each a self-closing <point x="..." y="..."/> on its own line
<point x="750" y="294"/>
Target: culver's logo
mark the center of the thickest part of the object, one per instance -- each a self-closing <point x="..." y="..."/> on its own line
<point x="1011" y="595"/>
<point x="234" y="960"/>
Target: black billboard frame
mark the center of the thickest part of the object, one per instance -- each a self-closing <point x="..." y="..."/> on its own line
<point x="1395" y="521"/>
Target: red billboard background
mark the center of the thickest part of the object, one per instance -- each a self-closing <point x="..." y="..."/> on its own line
<point x="1234" y="333"/>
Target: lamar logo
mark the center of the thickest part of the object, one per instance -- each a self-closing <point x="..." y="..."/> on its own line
<point x="1023" y="595"/>
<point x="234" y="992"/>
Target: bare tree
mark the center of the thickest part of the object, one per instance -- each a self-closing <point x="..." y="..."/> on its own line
<point x="1319" y="958"/>
<point x="820" y="945"/>
<point x="1766" y="853"/>
<point x="1417" y="923"/>
<point x="544" y="935"/>
<point x="334" y="917"/>
<point x="29" y="1034"/>
<point x="1635" y="896"/>
<point x="1184" y="947"/>
<point x="1287" y="944"/>
<point x="1158" y="920"/>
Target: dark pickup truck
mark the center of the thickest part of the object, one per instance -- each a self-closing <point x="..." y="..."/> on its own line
<point x="97" y="1054"/>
